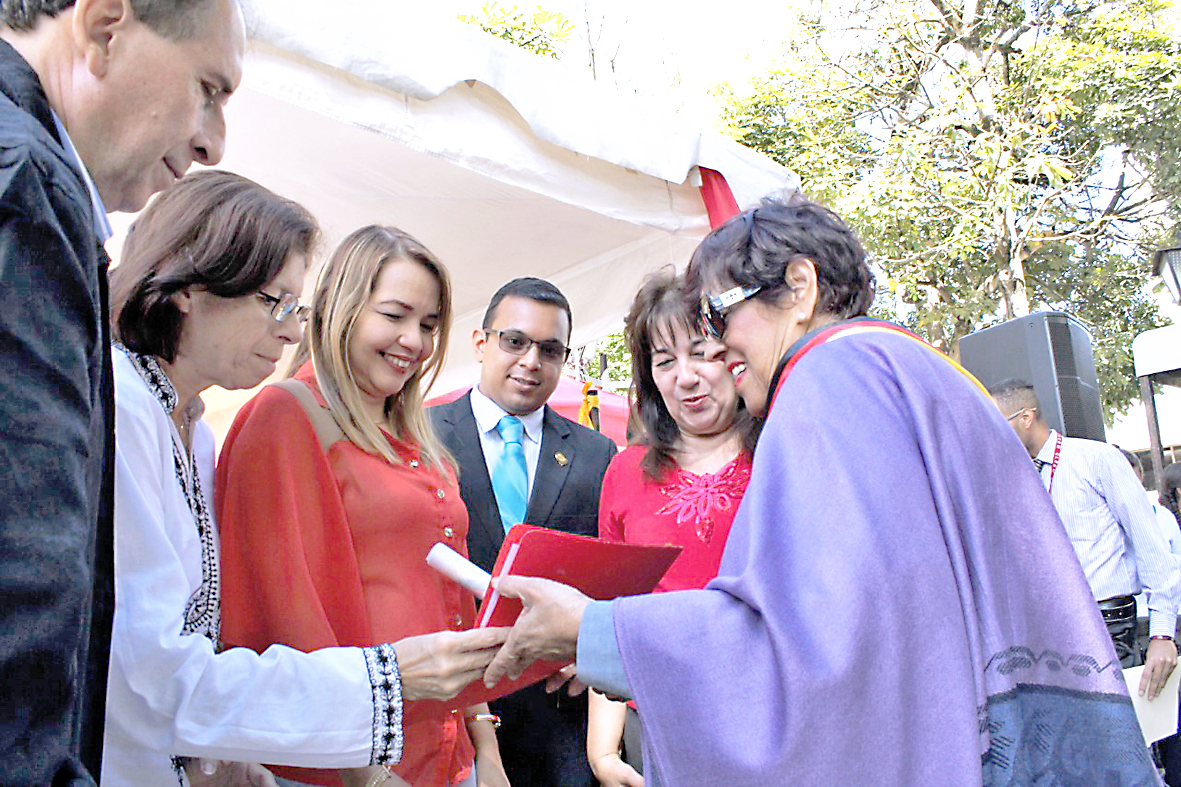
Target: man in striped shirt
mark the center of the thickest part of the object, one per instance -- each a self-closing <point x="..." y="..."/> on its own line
<point x="1112" y="529"/>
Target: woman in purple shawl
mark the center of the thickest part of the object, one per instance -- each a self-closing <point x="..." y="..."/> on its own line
<point x="898" y="603"/>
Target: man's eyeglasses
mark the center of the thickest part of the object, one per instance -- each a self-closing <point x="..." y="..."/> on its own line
<point x="517" y="343"/>
<point x="285" y="306"/>
<point x="714" y="308"/>
<point x="1019" y="412"/>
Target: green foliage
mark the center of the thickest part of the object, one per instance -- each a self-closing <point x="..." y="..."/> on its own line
<point x="619" y="360"/>
<point x="1106" y="293"/>
<point x="541" y="32"/>
<point x="1118" y="71"/>
<point x="994" y="156"/>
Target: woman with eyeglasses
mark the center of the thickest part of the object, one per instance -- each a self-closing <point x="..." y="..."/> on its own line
<point x="680" y="484"/>
<point x="206" y="294"/>
<point x="332" y="487"/>
<point x="898" y="603"/>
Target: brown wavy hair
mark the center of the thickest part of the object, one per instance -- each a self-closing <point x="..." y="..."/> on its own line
<point x="661" y="305"/>
<point x="211" y="230"/>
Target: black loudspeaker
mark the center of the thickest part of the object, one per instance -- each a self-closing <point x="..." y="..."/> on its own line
<point x="1052" y="351"/>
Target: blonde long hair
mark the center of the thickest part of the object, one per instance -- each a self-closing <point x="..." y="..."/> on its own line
<point x="342" y="292"/>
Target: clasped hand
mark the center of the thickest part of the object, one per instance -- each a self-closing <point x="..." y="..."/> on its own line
<point x="219" y="773"/>
<point x="438" y="666"/>
<point x="547" y="628"/>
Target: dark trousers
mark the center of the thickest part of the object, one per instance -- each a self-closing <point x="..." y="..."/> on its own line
<point x="1119" y="615"/>
<point x="1169" y="750"/>
<point x="1123" y="629"/>
<point x="1127" y="648"/>
<point x="543" y="738"/>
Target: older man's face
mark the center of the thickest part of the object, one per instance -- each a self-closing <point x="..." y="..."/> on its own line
<point x="157" y="106"/>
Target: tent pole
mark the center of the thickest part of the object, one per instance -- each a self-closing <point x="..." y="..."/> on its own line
<point x="1148" y="396"/>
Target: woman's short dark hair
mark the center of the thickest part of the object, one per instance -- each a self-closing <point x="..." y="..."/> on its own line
<point x="661" y="305"/>
<point x="213" y="231"/>
<point x="754" y="248"/>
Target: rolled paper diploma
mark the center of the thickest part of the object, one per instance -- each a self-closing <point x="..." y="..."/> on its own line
<point x="458" y="569"/>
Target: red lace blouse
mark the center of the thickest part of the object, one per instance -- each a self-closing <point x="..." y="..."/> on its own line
<point x="690" y="511"/>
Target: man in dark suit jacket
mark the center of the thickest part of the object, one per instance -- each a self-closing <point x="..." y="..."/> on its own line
<point x="101" y="105"/>
<point x="521" y="348"/>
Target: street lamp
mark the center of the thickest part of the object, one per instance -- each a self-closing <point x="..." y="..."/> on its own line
<point x="1167" y="264"/>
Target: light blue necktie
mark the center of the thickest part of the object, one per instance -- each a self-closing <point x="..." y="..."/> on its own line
<point x="510" y="479"/>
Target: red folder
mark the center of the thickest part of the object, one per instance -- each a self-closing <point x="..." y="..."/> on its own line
<point x="602" y="570"/>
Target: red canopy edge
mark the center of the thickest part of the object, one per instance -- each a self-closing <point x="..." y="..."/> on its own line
<point x="717" y="196"/>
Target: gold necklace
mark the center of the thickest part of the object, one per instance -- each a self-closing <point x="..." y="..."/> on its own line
<point x="183" y="428"/>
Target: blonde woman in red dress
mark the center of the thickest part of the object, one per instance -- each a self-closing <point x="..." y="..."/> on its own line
<point x="332" y="487"/>
<point x="681" y="484"/>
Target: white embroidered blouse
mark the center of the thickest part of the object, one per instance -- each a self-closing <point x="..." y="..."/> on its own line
<point x="171" y="693"/>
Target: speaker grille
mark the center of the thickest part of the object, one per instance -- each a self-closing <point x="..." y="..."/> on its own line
<point x="1072" y="397"/>
<point x="1062" y="348"/>
<point x="1053" y="352"/>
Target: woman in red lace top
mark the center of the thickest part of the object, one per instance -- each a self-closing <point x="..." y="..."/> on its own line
<point x="681" y="484"/>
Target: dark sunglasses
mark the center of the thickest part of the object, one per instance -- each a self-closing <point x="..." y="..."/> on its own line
<point x="714" y="308"/>
<point x="517" y="343"/>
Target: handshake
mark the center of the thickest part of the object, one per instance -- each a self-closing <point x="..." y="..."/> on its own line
<point x="438" y="666"/>
<point x="546" y="628"/>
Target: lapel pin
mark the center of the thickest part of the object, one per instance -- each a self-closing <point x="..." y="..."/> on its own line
<point x="561" y="459"/>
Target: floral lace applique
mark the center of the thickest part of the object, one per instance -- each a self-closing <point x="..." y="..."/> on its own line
<point x="695" y="498"/>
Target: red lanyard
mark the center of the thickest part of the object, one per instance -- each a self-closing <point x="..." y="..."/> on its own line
<point x="1054" y="462"/>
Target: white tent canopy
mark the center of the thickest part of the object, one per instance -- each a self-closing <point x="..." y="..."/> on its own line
<point x="1155" y="354"/>
<point x="503" y="163"/>
<point x="1157" y="351"/>
<point x="1157" y="359"/>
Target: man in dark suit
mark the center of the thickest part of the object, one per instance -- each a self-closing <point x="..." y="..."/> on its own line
<point x="519" y="461"/>
<point x="102" y="104"/>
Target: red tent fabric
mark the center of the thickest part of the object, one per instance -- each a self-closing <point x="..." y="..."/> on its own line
<point x="717" y="196"/>
<point x="567" y="400"/>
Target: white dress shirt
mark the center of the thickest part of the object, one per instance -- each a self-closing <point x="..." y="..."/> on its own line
<point x="1112" y="527"/>
<point x="488" y="414"/>
<point x="169" y="692"/>
<point x="102" y="225"/>
<point x="1168" y="526"/>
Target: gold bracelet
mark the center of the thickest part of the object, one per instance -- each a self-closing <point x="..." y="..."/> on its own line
<point x="381" y="777"/>
<point x="492" y="717"/>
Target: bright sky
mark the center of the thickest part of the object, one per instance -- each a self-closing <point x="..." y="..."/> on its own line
<point x="678" y="49"/>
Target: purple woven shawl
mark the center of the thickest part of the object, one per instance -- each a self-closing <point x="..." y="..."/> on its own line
<point x="898" y="604"/>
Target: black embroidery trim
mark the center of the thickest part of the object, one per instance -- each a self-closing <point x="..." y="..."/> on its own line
<point x="203" y="611"/>
<point x="202" y="614"/>
<point x="382" y="663"/>
<point x="1019" y="657"/>
<point x="153" y="374"/>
